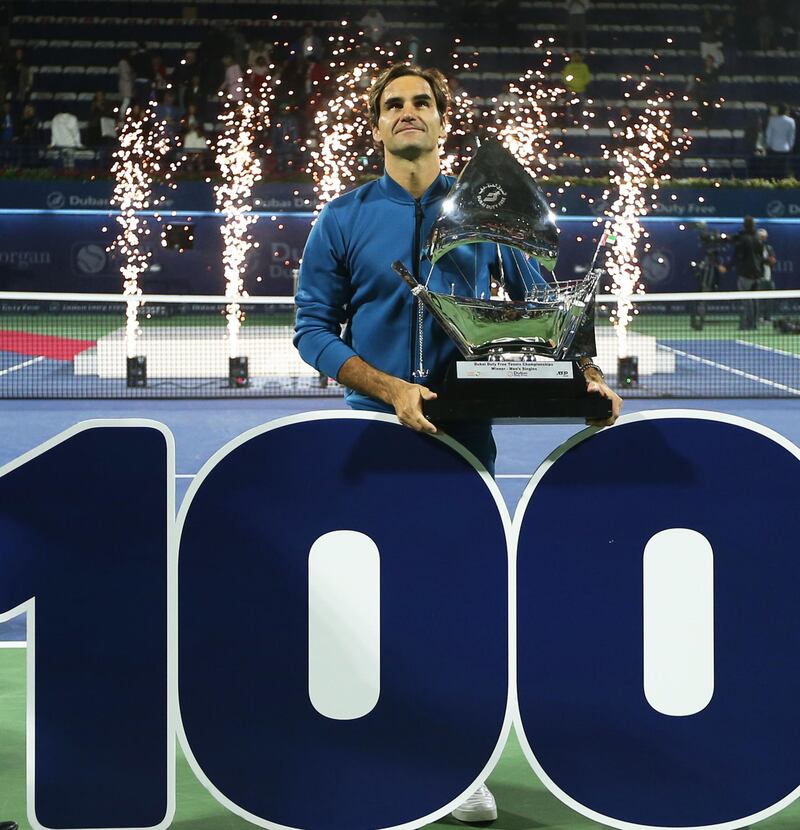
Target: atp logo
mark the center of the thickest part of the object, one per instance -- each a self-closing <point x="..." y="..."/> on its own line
<point x="492" y="196"/>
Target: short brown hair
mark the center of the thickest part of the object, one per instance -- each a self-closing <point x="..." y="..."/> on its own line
<point x="437" y="81"/>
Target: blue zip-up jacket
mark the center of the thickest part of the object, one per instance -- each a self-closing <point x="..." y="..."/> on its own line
<point x="346" y="278"/>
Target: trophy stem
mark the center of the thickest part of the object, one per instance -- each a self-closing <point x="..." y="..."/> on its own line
<point x="406" y="276"/>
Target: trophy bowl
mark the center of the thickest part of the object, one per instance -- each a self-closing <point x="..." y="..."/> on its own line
<point x="520" y="356"/>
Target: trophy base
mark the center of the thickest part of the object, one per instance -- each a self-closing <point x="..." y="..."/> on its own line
<point x="516" y="400"/>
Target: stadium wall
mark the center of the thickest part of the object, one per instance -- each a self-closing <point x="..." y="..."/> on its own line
<point x="55" y="234"/>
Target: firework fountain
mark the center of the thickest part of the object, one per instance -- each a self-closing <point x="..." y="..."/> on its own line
<point x="641" y="147"/>
<point x="244" y="117"/>
<point x="344" y="153"/>
<point x="138" y="162"/>
<point x="523" y="118"/>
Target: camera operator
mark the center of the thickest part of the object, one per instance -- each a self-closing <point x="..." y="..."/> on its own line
<point x="710" y="268"/>
<point x="748" y="256"/>
<point x="767" y="280"/>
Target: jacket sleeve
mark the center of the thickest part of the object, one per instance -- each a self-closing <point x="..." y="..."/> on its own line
<point x="521" y="272"/>
<point x="323" y="296"/>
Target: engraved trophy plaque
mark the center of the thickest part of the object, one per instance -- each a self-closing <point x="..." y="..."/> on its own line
<point x="520" y="357"/>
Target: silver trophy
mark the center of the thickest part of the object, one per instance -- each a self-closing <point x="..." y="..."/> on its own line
<point x="520" y="356"/>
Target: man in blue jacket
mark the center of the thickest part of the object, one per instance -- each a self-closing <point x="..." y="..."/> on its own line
<point x="346" y="276"/>
<point x="346" y="279"/>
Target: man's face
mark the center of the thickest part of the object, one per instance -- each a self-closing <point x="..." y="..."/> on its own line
<point x="409" y="125"/>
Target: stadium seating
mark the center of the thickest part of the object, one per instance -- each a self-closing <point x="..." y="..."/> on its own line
<point x="73" y="49"/>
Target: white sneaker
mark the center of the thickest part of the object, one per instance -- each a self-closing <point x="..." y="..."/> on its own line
<point x="480" y="806"/>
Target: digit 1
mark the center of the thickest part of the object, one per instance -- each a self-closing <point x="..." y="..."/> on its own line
<point x="85" y="526"/>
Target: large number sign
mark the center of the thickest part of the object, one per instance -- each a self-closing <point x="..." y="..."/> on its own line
<point x="311" y="625"/>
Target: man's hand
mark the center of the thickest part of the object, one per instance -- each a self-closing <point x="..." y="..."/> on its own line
<point x="596" y="383"/>
<point x="404" y="397"/>
<point x="407" y="401"/>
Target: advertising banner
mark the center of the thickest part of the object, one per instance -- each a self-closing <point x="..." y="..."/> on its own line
<point x="58" y="251"/>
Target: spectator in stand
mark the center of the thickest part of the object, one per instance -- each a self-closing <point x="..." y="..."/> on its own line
<point x="30" y="138"/>
<point x="29" y="126"/>
<point x="711" y="39"/>
<point x="259" y="49"/>
<point x="780" y="138"/>
<point x="183" y="73"/>
<point x="285" y="136"/>
<point x="315" y="79"/>
<point x="99" y="110"/>
<point x="195" y="146"/>
<point x="292" y="74"/>
<point x="765" y="26"/>
<point x="159" y="74"/>
<point x="576" y="23"/>
<point x="704" y="89"/>
<point x="748" y="257"/>
<point x="7" y="125"/>
<point x="257" y="75"/>
<point x="124" y="85"/>
<point x="310" y="45"/>
<point x="374" y="25"/>
<point x="193" y="140"/>
<point x="142" y="62"/>
<point x="233" y="85"/>
<point x="195" y="95"/>
<point x="315" y="87"/>
<point x="20" y="78"/>
<point x="4" y="59"/>
<point x="169" y="112"/>
<point x="191" y="120"/>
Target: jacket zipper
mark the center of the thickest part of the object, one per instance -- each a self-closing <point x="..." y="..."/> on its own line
<point x="418" y="216"/>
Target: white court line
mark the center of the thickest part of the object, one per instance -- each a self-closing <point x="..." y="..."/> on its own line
<point x="724" y="368"/>
<point x="21" y="365"/>
<point x="13" y="644"/>
<point x="508" y="475"/>
<point x="768" y="349"/>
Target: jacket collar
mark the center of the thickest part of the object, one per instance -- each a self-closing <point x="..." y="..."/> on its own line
<point x="392" y="190"/>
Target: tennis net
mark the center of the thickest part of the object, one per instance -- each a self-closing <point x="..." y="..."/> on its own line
<point x="717" y="345"/>
<point x="77" y="346"/>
